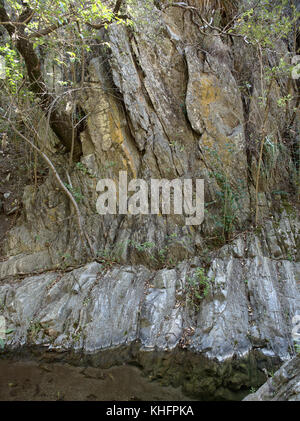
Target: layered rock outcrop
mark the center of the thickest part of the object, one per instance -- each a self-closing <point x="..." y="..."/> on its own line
<point x="163" y="101"/>
<point x="249" y="303"/>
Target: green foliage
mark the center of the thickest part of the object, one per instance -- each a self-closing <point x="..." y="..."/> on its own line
<point x="61" y="11"/>
<point x="148" y="245"/>
<point x="264" y="24"/>
<point x="177" y="146"/>
<point x="158" y="256"/>
<point x="59" y="30"/>
<point x="283" y="101"/>
<point x="198" y="287"/>
<point x="162" y="254"/>
<point x="148" y="249"/>
<point x="77" y="335"/>
<point x="229" y="197"/>
<point x="2" y="341"/>
<point x="34" y="329"/>
<point x="267" y="23"/>
<point x="108" y="258"/>
<point x="13" y="67"/>
<point x="82" y="168"/>
<point x="110" y="164"/>
<point x="66" y="260"/>
<point x="75" y="192"/>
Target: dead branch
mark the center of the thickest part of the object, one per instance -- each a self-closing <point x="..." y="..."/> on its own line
<point x="82" y="233"/>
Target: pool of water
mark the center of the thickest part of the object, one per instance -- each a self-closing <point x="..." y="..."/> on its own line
<point x="40" y="381"/>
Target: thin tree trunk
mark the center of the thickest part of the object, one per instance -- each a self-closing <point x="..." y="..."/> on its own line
<point x="59" y="120"/>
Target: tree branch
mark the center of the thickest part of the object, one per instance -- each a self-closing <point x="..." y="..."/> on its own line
<point x="60" y="121"/>
<point x="118" y="6"/>
<point x="116" y="10"/>
<point x="83" y="235"/>
<point x="5" y="19"/>
<point x="105" y="22"/>
<point x="26" y="16"/>
<point x="205" y="24"/>
<point x="47" y="31"/>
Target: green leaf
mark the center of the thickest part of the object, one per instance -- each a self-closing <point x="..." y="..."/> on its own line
<point x="9" y="331"/>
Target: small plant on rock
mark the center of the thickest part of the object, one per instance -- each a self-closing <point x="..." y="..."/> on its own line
<point x="2" y="341"/>
<point x="198" y="287"/>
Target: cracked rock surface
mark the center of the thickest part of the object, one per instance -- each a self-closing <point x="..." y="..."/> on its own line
<point x="250" y="304"/>
<point x="284" y="385"/>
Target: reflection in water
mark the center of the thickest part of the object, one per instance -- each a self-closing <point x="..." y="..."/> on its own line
<point x="28" y="381"/>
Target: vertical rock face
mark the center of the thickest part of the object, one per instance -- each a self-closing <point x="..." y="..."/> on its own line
<point x="249" y="304"/>
<point x="164" y="102"/>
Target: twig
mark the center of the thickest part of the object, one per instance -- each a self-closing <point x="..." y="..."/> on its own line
<point x="83" y="235"/>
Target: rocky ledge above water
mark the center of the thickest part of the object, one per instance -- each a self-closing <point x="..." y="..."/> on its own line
<point x="244" y="301"/>
<point x="283" y="386"/>
<point x="240" y="321"/>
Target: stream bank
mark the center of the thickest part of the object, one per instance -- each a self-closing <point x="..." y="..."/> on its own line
<point x="127" y="373"/>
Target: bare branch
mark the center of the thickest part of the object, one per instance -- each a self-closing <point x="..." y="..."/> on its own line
<point x="205" y="24"/>
<point x="59" y="120"/>
<point x="83" y="234"/>
<point x="47" y="31"/>
<point x="26" y="16"/>
<point x="5" y="19"/>
<point x="12" y="23"/>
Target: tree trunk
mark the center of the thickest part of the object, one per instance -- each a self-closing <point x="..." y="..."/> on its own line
<point x="60" y="121"/>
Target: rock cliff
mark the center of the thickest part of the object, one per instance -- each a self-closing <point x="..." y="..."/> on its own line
<point x="165" y="101"/>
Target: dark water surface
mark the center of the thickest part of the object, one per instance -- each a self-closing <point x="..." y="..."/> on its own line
<point x="38" y="381"/>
